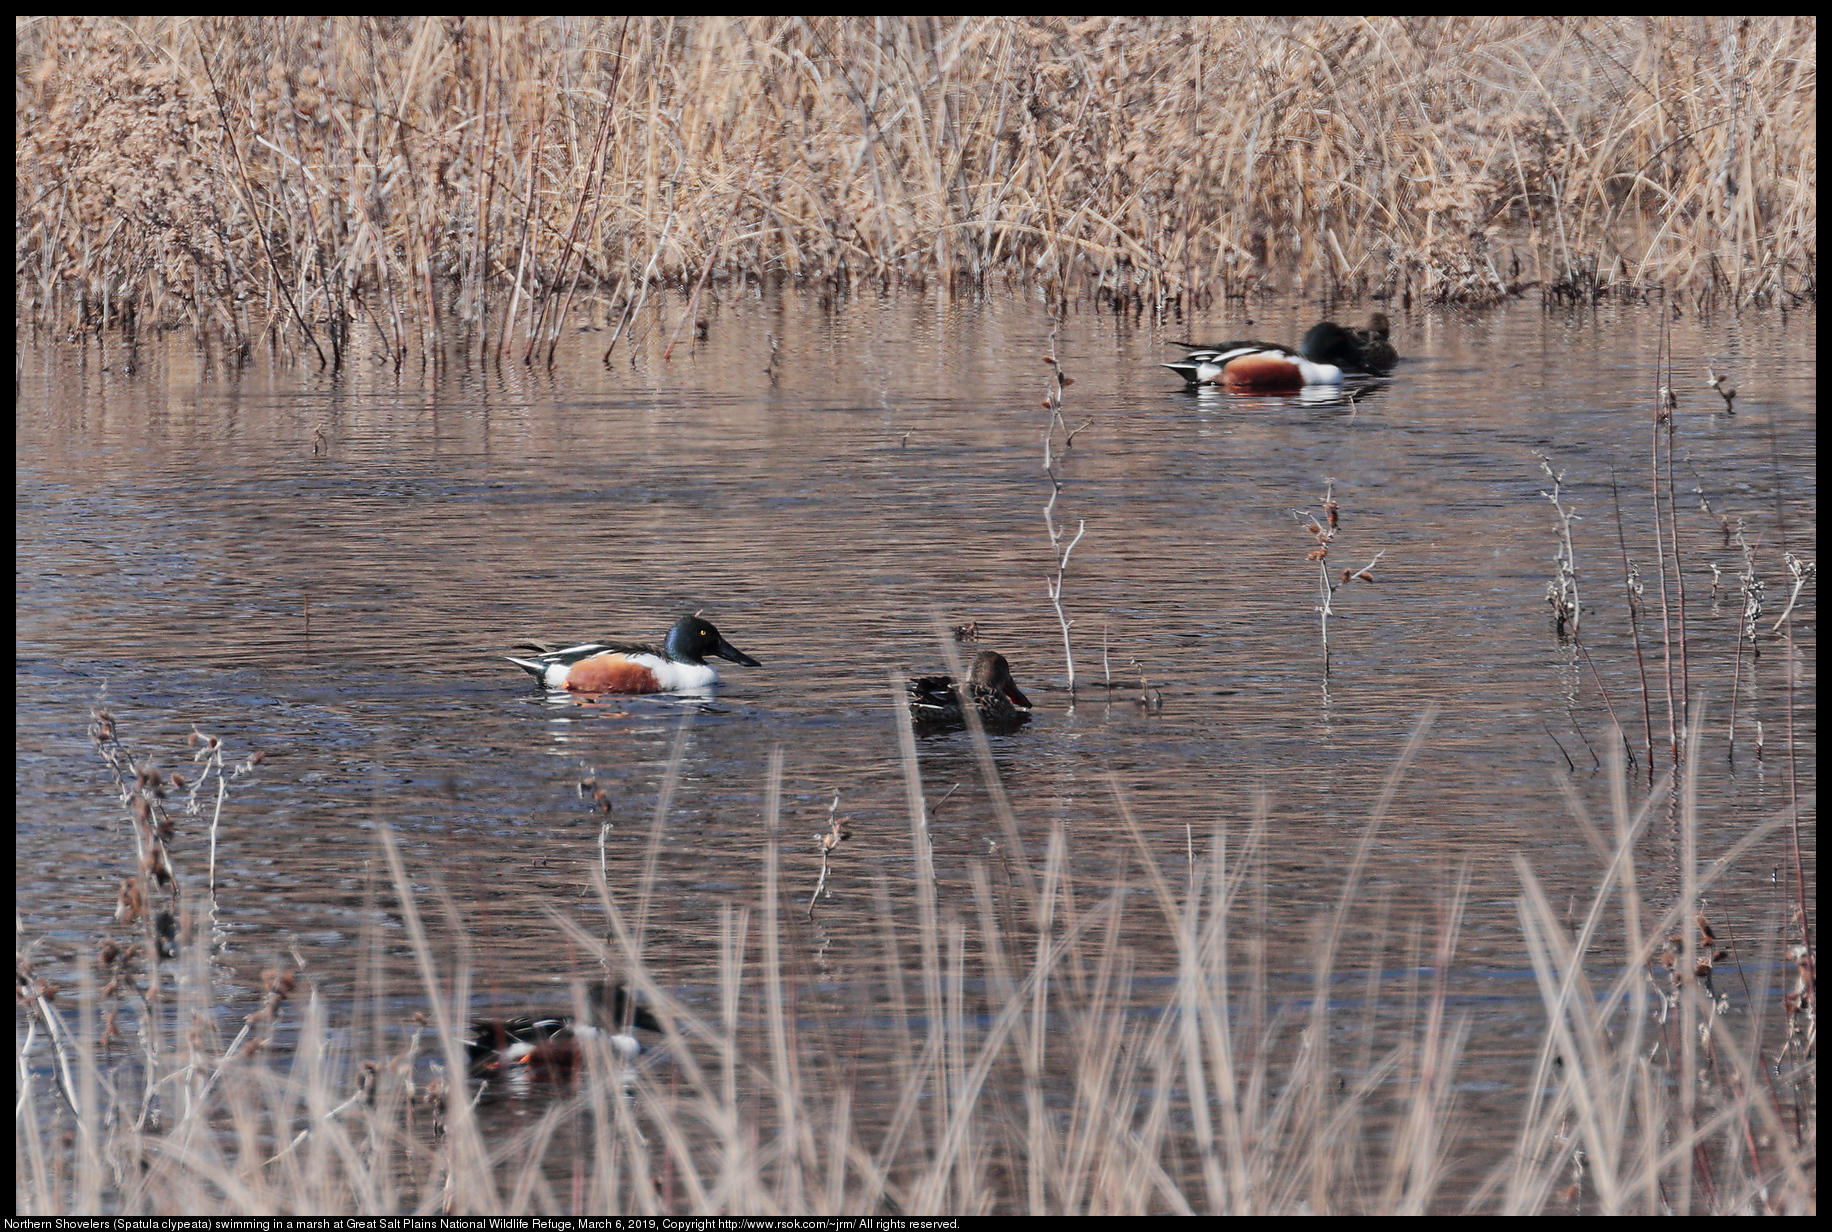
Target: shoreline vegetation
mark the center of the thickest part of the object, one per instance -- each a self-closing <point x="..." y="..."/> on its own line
<point x="424" y="185"/>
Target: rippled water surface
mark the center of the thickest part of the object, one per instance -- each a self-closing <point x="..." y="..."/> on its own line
<point x="331" y="570"/>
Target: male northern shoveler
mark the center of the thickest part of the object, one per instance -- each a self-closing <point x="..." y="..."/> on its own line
<point x="606" y="667"/>
<point x="1363" y="350"/>
<point x="995" y="695"/>
<point x="1246" y="366"/>
<point x="551" y="1045"/>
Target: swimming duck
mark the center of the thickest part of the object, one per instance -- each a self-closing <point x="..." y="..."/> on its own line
<point x="937" y="699"/>
<point x="552" y="1044"/>
<point x="1363" y="350"/>
<point x="1246" y="366"/>
<point x="608" y="667"/>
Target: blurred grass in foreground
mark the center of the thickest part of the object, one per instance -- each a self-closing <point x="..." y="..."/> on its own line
<point x="1036" y="1079"/>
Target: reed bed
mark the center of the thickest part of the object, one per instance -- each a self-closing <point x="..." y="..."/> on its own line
<point x="430" y="186"/>
<point x="1031" y="1071"/>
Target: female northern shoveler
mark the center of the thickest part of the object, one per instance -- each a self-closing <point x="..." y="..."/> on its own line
<point x="1245" y="366"/>
<point x="937" y="699"/>
<point x="551" y="1045"/>
<point x="605" y="667"/>
<point x="1364" y="350"/>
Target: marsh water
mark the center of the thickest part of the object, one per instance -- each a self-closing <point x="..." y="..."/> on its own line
<point x="331" y="568"/>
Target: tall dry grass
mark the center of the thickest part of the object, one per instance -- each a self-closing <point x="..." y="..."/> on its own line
<point x="424" y="184"/>
<point x="1029" y="1070"/>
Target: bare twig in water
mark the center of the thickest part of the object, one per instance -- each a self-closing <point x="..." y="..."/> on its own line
<point x="1150" y="700"/>
<point x="1562" y="590"/>
<point x="1324" y="531"/>
<point x="1725" y="390"/>
<point x="1061" y="552"/>
<point x="834" y="836"/>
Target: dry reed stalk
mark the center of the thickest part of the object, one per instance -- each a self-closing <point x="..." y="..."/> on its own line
<point x="597" y="198"/>
<point x="1639" y="1133"/>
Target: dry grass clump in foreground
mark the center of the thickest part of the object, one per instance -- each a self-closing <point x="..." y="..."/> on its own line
<point x="1043" y="1081"/>
<point x="423" y="183"/>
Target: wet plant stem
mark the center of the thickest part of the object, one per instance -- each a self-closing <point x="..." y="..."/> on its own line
<point x="1323" y="529"/>
<point x="1666" y="617"/>
<point x="1562" y="591"/>
<point x="1631" y="584"/>
<point x="1061" y="552"/>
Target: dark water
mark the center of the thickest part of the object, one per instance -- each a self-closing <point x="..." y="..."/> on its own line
<point x="330" y="570"/>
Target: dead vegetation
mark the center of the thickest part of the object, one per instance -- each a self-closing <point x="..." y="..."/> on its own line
<point x="419" y="185"/>
<point x="1035" y="1066"/>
